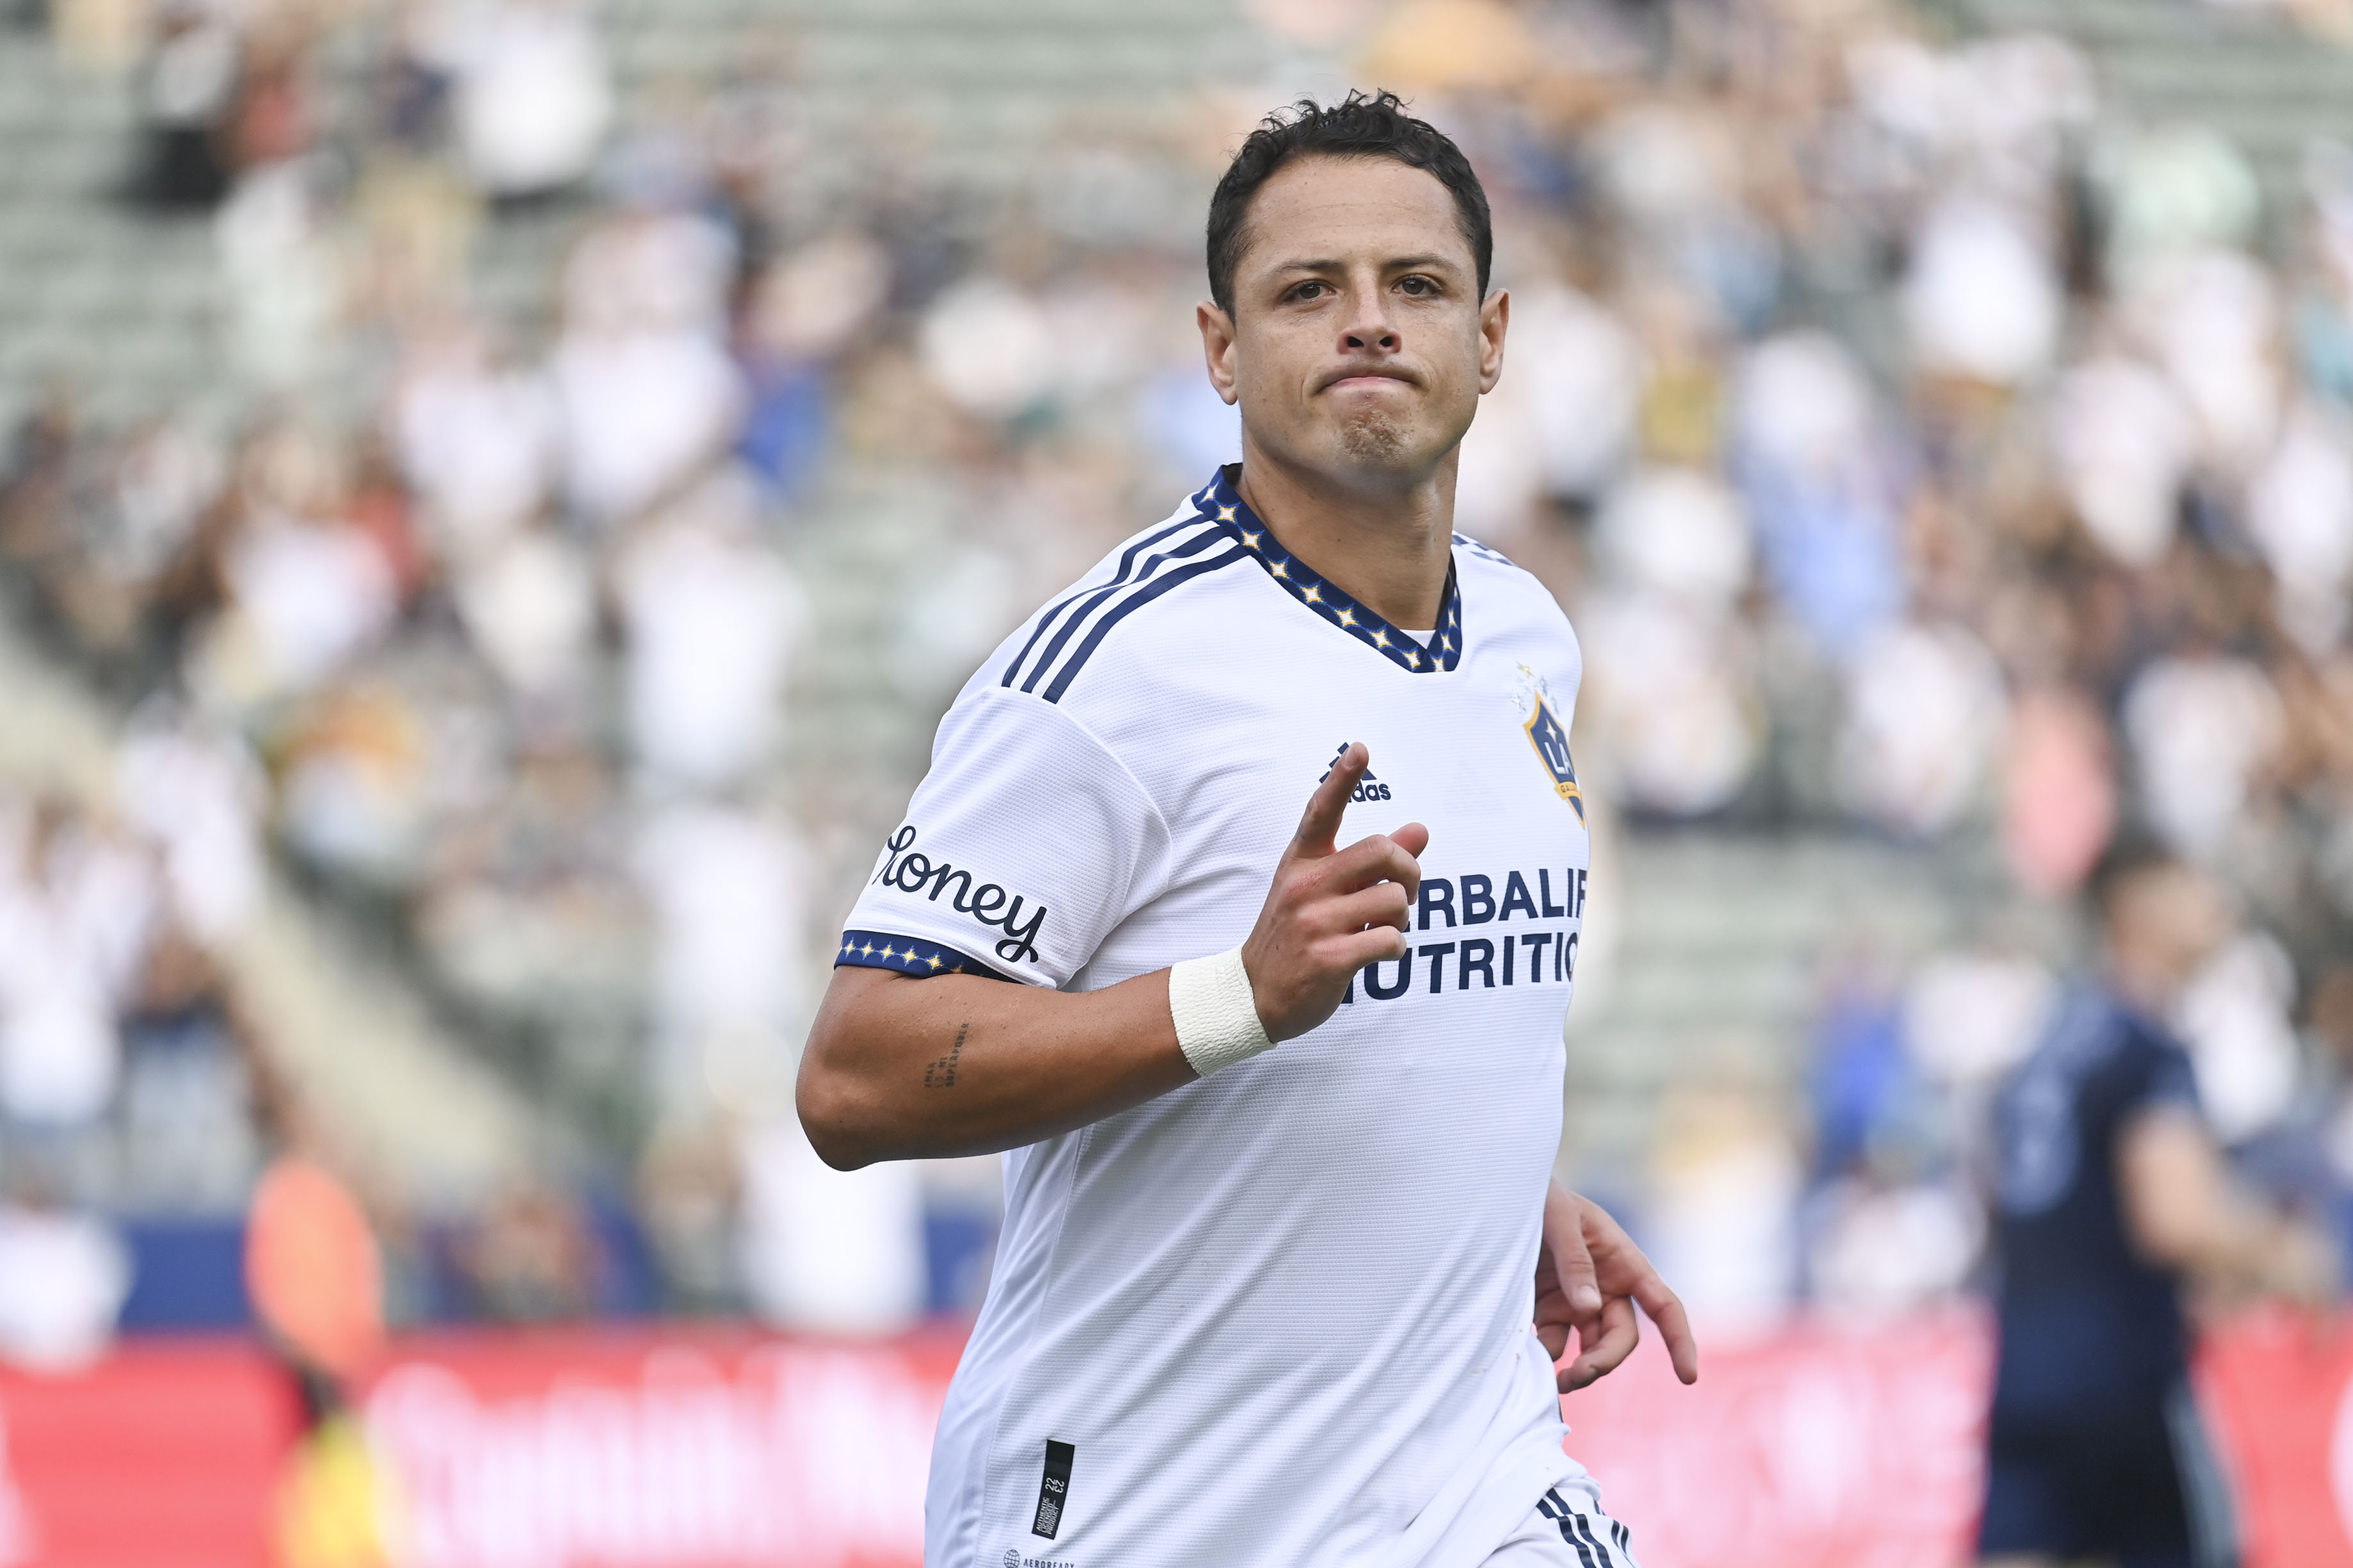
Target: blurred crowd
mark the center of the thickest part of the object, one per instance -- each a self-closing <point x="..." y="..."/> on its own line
<point x="1917" y="444"/>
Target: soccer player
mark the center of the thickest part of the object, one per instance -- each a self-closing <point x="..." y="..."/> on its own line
<point x="2111" y="1195"/>
<point x="1281" y="1090"/>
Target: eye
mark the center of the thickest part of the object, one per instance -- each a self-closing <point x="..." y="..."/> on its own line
<point x="1415" y="283"/>
<point x="1313" y="288"/>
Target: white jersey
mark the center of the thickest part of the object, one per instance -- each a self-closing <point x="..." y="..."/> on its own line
<point x="1279" y="1316"/>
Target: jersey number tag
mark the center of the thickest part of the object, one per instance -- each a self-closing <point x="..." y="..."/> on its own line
<point x="1053" y="1487"/>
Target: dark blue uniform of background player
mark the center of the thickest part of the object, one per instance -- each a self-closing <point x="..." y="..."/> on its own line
<point x="2095" y="1446"/>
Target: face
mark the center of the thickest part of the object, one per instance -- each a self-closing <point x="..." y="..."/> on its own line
<point x="1358" y="346"/>
<point x="2166" y="921"/>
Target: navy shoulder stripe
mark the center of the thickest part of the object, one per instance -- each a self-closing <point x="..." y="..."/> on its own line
<point x="1129" y="606"/>
<point x="1069" y="630"/>
<point x="1204" y="536"/>
<point x="1126" y="569"/>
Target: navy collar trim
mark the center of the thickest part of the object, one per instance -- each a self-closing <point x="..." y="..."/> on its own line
<point x="1223" y="504"/>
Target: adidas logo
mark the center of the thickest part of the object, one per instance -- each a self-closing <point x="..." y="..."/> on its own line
<point x="1367" y="788"/>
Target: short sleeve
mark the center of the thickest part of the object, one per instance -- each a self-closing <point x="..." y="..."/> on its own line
<point x="1024" y="847"/>
<point x="2166" y="1077"/>
<point x="2151" y="1072"/>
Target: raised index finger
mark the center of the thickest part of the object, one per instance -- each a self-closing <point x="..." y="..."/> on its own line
<point x="1319" y="826"/>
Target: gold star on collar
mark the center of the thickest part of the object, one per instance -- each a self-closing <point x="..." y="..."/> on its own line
<point x="934" y="960"/>
<point x="1225" y="514"/>
<point x="1248" y="538"/>
<point x="1347" y="617"/>
<point x="1312" y="593"/>
<point x="1280" y="569"/>
<point x="1380" y="639"/>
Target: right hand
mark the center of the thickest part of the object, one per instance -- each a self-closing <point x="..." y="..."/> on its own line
<point x="1331" y="911"/>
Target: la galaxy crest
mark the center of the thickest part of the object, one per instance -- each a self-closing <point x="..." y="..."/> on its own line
<point x="1548" y="736"/>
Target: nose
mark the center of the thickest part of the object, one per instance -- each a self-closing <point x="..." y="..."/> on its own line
<point x="1371" y="332"/>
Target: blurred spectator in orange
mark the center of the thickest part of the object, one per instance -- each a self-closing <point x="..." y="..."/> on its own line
<point x="316" y="1278"/>
<point x="313" y="1270"/>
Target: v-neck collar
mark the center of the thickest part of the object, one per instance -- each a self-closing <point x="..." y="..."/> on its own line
<point x="1223" y="503"/>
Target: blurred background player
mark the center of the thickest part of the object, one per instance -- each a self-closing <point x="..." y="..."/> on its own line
<point x="2113" y="1203"/>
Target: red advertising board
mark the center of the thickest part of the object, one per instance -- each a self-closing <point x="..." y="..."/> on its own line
<point x="1832" y="1446"/>
<point x="713" y="1451"/>
<point x="163" y="1453"/>
<point x="2278" y="1388"/>
<point x="1815" y="1445"/>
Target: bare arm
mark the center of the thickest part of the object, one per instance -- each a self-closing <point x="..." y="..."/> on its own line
<point x="900" y="1066"/>
<point x="2185" y="1213"/>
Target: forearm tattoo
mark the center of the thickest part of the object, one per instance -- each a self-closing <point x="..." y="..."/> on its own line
<point x="942" y="1073"/>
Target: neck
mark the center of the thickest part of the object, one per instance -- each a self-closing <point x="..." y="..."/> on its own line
<point x="2149" y="987"/>
<point x="1386" y="547"/>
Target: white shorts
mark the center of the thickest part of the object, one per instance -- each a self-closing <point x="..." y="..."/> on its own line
<point x="1568" y="1530"/>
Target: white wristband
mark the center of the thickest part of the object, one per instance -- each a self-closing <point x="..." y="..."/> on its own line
<point x="1216" y="1012"/>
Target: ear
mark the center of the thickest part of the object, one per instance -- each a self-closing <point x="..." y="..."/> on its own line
<point x="1217" y="348"/>
<point x="1494" y="319"/>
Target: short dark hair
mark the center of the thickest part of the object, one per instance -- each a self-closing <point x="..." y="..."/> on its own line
<point x="1359" y="126"/>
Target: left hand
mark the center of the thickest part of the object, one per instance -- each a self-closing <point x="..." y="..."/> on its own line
<point x="1590" y="1277"/>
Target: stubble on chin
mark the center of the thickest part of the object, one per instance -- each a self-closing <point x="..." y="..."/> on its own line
<point x="1373" y="438"/>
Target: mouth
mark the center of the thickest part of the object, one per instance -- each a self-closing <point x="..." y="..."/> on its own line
<point x="1356" y="380"/>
